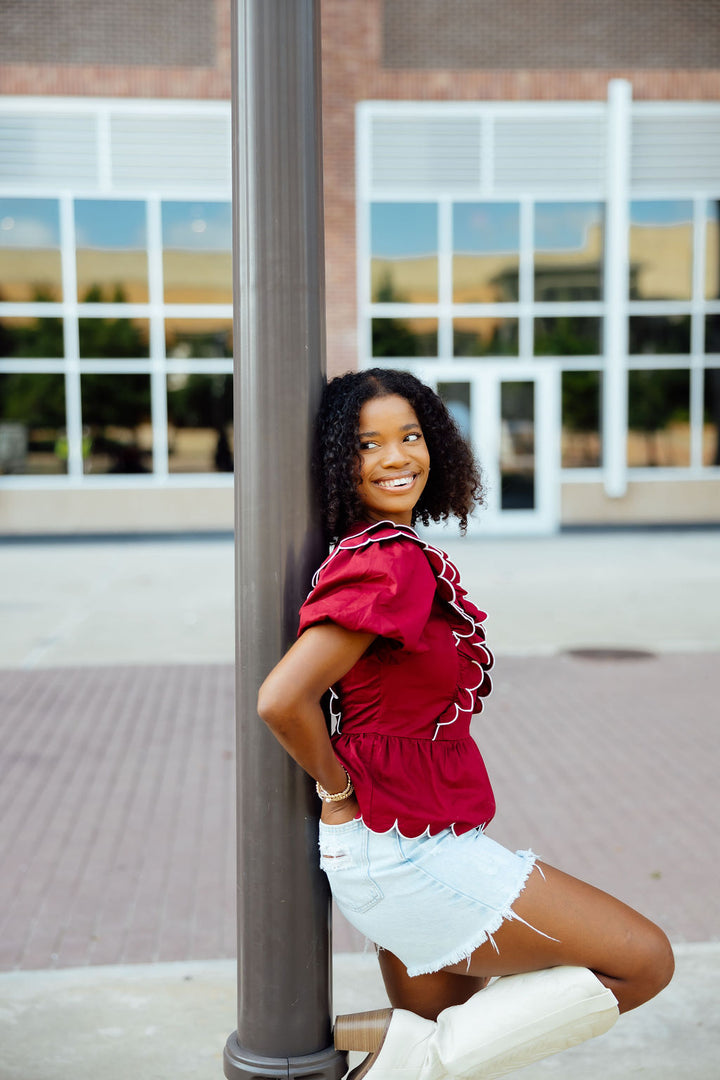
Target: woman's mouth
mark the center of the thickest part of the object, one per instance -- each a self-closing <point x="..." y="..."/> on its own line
<point x="396" y="483"/>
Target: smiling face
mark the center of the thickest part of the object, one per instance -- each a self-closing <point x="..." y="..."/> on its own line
<point x="394" y="459"/>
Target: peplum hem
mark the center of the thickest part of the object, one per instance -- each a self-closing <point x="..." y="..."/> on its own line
<point x="417" y="786"/>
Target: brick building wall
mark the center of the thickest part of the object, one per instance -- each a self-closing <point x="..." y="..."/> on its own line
<point x="166" y="49"/>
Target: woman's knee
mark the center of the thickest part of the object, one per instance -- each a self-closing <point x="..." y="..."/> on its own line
<point x="658" y="961"/>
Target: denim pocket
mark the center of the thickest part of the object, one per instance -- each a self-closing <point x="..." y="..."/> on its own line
<point x="344" y="858"/>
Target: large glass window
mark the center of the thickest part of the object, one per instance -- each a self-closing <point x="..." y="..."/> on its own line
<point x="111" y="240"/>
<point x="403" y="260"/>
<point x="200" y="423"/>
<point x="712" y="250"/>
<point x="667" y="334"/>
<point x="457" y="398"/>
<point x="404" y="337"/>
<point x="517" y="445"/>
<point x="485" y="337"/>
<point x="569" y="251"/>
<point x="105" y="339"/>
<point x="117" y="423"/>
<point x="661" y="250"/>
<point x="711" y="417"/>
<point x="581" y="412"/>
<point x="659" y="418"/>
<point x="40" y="337"/>
<point x="32" y="424"/>
<point x="30" y="262"/>
<point x="197" y="252"/>
<point x="568" y="335"/>
<point x="486" y="252"/>
<point x="200" y="339"/>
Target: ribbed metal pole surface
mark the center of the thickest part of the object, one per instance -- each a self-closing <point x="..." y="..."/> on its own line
<point x="283" y="905"/>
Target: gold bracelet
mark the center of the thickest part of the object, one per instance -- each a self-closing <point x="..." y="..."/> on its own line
<point x="338" y="796"/>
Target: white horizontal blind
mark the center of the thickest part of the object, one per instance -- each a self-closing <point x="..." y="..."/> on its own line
<point x="543" y="154"/>
<point x="413" y="153"/>
<point x="169" y="152"/>
<point x="40" y="150"/>
<point x="114" y="147"/>
<point x="671" y="151"/>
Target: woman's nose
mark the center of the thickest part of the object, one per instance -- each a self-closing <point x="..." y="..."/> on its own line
<point x="395" y="454"/>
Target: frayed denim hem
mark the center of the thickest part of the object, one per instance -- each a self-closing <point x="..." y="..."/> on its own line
<point x="506" y="915"/>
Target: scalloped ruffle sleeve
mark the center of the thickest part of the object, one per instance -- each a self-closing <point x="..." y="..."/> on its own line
<point x="383" y="588"/>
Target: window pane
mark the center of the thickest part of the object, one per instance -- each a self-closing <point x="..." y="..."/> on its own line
<point x="711" y="425"/>
<point x="403" y="250"/>
<point x="41" y="338"/>
<point x="111" y="251"/>
<point x="581" y="404"/>
<point x="517" y="445"/>
<point x="30" y="250"/>
<point x="107" y="339"/>
<point x="456" y="396"/>
<point x="32" y="424"/>
<point x="712" y="333"/>
<point x="485" y="337"/>
<point x="117" y="427"/>
<point x="404" y="337"/>
<point x="651" y="334"/>
<point x="661" y="250"/>
<point x="197" y="252"/>
<point x="566" y="335"/>
<point x="200" y="339"/>
<point x="712" y="250"/>
<point x="568" y="251"/>
<point x="486" y="246"/>
<point x="200" y="412"/>
<point x="659" y="418"/>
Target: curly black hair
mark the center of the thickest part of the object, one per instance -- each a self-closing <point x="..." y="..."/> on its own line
<point x="453" y="486"/>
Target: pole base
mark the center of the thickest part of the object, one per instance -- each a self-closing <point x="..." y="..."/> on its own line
<point x="240" y="1063"/>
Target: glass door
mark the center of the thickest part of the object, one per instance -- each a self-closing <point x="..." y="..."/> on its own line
<point x="512" y="418"/>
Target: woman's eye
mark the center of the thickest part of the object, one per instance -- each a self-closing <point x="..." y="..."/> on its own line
<point x="413" y="436"/>
<point x="368" y="445"/>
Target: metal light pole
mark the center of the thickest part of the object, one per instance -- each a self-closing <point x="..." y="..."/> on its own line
<point x="284" y="958"/>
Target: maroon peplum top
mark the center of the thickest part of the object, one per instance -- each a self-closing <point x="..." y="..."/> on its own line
<point x="401" y="715"/>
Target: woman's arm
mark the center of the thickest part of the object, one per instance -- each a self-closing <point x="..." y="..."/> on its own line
<point x="289" y="703"/>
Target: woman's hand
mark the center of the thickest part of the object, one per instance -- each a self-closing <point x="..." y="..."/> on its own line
<point x="337" y="813"/>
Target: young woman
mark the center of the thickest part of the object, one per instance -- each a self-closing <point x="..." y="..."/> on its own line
<point x="405" y="795"/>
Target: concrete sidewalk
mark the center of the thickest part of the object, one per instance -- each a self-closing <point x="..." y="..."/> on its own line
<point x="171" y="601"/>
<point x="170" y="1021"/>
<point x="113" y="649"/>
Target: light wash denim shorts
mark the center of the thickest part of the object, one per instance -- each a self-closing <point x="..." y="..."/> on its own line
<point x="430" y="900"/>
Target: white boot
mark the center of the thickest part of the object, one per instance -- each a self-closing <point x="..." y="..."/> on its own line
<point x="399" y="1042"/>
<point x="520" y="1019"/>
<point x="517" y="1020"/>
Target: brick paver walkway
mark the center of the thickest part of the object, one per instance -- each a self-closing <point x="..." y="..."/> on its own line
<point x="117" y="803"/>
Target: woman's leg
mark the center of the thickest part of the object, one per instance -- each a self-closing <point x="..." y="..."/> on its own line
<point x="426" y="995"/>
<point x="584" y="927"/>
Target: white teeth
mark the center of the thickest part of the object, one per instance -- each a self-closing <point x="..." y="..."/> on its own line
<point x="400" y="481"/>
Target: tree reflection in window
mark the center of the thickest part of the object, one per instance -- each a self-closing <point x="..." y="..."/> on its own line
<point x="404" y="337"/>
<point x="659" y="418"/>
<point x="38" y="337"/>
<point x="104" y="339"/>
<point x="568" y="335"/>
<point x="32" y="424"/>
<point x="117" y="427"/>
<point x="200" y="414"/>
<point x="659" y="334"/>
<point x="485" y="337"/>
<point x="581" y="410"/>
